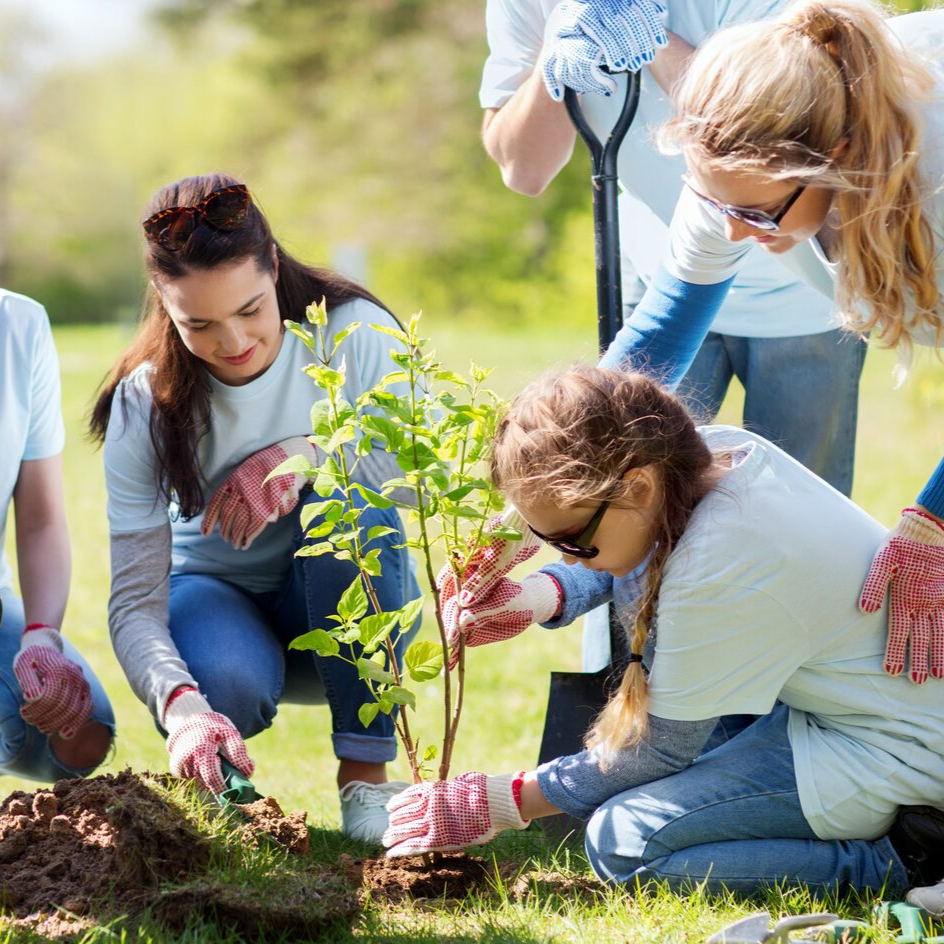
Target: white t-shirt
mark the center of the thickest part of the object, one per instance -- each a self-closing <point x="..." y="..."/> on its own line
<point x="244" y="419"/>
<point x="766" y="300"/>
<point x="30" y="399"/>
<point x="759" y="603"/>
<point x="698" y="251"/>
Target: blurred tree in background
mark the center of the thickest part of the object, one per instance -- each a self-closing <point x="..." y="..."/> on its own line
<point x="355" y="123"/>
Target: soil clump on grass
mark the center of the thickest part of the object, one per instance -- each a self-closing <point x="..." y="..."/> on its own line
<point x="111" y="845"/>
<point x="412" y="878"/>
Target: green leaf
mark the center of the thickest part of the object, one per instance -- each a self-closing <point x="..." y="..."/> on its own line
<point x="297" y="464"/>
<point x="306" y="336"/>
<point x="378" y="531"/>
<point x="351" y="635"/>
<point x="339" y="438"/>
<point x="372" y="497"/>
<point x="374" y="629"/>
<point x="314" y="509"/>
<point x="386" y="703"/>
<point x="384" y="429"/>
<point x="371" y="562"/>
<point x="346" y="332"/>
<point x="320" y="530"/>
<point x="353" y="603"/>
<point x="457" y="494"/>
<point x="410" y="612"/>
<point x="317" y="312"/>
<point x="370" y="670"/>
<point x="318" y="639"/>
<point x="400" y="696"/>
<point x="364" y="445"/>
<point x="424" y="660"/>
<point x="315" y="550"/>
<point x="367" y="712"/>
<point x="322" y="418"/>
<point x="431" y="752"/>
<point x="510" y="534"/>
<point x="326" y="377"/>
<point x="393" y="332"/>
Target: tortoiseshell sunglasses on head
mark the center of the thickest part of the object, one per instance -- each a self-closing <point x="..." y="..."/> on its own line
<point x="225" y="209"/>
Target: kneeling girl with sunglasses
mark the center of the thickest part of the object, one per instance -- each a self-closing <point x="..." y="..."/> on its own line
<point x="206" y="591"/>
<point x="750" y="608"/>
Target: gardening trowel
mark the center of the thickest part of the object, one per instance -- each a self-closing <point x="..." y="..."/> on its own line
<point x="577" y="697"/>
<point x="239" y="789"/>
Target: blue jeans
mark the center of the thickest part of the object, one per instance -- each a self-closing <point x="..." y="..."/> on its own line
<point x="235" y="643"/>
<point x="733" y="819"/>
<point x="801" y="393"/>
<point x="24" y="750"/>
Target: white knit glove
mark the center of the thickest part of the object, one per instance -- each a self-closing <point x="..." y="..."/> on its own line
<point x="197" y="736"/>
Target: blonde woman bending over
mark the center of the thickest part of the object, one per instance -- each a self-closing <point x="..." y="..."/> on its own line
<point x="750" y="607"/>
<point x="820" y="136"/>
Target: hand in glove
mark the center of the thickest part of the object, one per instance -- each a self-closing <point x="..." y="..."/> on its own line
<point x="447" y="815"/>
<point x="582" y="36"/>
<point x="911" y="562"/>
<point x="197" y="736"/>
<point x="491" y="606"/>
<point x="245" y="503"/>
<point x="57" y="694"/>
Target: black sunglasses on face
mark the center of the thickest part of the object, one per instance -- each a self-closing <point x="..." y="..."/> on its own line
<point x="225" y="209"/>
<point x="579" y="545"/>
<point x="756" y="218"/>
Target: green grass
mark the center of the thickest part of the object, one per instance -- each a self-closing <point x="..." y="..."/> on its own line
<point x="899" y="445"/>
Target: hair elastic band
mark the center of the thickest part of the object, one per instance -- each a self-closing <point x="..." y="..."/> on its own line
<point x="635" y="657"/>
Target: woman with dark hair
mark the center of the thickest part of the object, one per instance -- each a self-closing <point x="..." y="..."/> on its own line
<point x="206" y="590"/>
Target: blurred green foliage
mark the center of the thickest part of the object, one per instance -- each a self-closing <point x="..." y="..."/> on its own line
<point x="354" y="123"/>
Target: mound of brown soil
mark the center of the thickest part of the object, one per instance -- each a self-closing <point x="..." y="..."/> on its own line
<point x="111" y="844"/>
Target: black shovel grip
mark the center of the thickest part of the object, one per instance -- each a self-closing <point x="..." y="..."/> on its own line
<point x="603" y="157"/>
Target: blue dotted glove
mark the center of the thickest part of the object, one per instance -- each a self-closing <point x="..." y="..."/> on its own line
<point x="583" y="35"/>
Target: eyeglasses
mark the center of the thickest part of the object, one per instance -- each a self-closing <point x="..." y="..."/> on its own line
<point x="225" y="209"/>
<point x="756" y="218"/>
<point x="578" y="546"/>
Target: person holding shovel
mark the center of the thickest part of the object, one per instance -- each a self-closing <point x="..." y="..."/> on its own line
<point x="748" y="606"/>
<point x="819" y="136"/>
<point x="779" y="337"/>
<point x="209" y="399"/>
<point x="55" y="718"/>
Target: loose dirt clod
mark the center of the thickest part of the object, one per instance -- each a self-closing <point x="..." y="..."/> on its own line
<point x="265" y="817"/>
<point x="113" y="844"/>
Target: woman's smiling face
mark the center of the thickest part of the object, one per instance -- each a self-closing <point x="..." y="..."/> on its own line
<point x="228" y="317"/>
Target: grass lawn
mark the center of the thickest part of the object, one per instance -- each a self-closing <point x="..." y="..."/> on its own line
<point x="900" y="442"/>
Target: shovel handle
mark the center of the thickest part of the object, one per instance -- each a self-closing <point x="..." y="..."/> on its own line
<point x="605" y="179"/>
<point x="239" y="788"/>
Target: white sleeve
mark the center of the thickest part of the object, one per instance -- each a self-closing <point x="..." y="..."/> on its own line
<point x="515" y="35"/>
<point x="699" y="252"/>
<point x="131" y="474"/>
<point x="721" y="649"/>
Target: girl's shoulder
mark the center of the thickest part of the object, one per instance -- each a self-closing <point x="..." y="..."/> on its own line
<point x="131" y="405"/>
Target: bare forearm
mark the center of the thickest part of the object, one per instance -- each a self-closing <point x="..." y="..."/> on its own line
<point x="530" y="138"/>
<point x="670" y="63"/>
<point x="534" y="804"/>
<point x="44" y="564"/>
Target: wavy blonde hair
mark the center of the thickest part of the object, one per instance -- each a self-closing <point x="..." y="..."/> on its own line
<point x="570" y="438"/>
<point x="777" y="97"/>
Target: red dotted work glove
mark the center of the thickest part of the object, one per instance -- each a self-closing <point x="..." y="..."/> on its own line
<point x="197" y="736"/>
<point x="245" y="503"/>
<point x="448" y="815"/>
<point x="492" y="607"/>
<point x="911" y="562"/>
<point x="57" y="694"/>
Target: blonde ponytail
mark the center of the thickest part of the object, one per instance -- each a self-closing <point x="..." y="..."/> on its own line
<point x="825" y="96"/>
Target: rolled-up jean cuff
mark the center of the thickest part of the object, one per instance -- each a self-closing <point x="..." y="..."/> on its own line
<point x="363" y="747"/>
<point x="70" y="772"/>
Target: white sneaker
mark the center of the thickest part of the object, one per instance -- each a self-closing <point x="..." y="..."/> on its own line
<point x="930" y="898"/>
<point x="364" y="813"/>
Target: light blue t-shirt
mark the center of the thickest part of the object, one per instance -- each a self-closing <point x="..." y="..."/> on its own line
<point x="759" y="604"/>
<point x="30" y="399"/>
<point x="767" y="299"/>
<point x="244" y="419"/>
